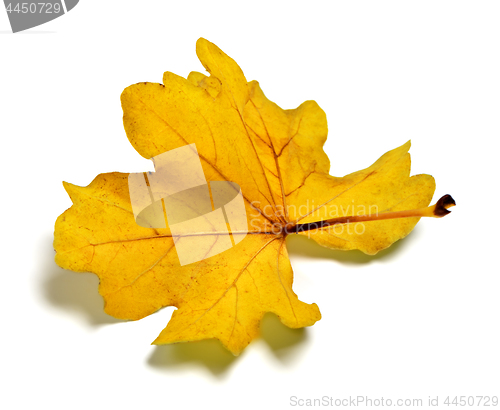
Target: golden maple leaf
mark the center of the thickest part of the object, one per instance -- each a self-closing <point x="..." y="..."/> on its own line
<point x="276" y="158"/>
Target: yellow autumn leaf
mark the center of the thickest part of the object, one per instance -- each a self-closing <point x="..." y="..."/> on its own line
<point x="276" y="158"/>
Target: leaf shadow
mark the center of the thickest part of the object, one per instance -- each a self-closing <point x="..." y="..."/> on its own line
<point x="77" y="292"/>
<point x="302" y="246"/>
<point x="282" y="340"/>
<point x="212" y="355"/>
<point x="209" y="354"/>
<point x="72" y="291"/>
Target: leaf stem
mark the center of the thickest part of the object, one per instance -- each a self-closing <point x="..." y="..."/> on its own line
<point x="438" y="210"/>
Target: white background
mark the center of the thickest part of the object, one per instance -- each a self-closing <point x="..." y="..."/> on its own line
<point x="419" y="319"/>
